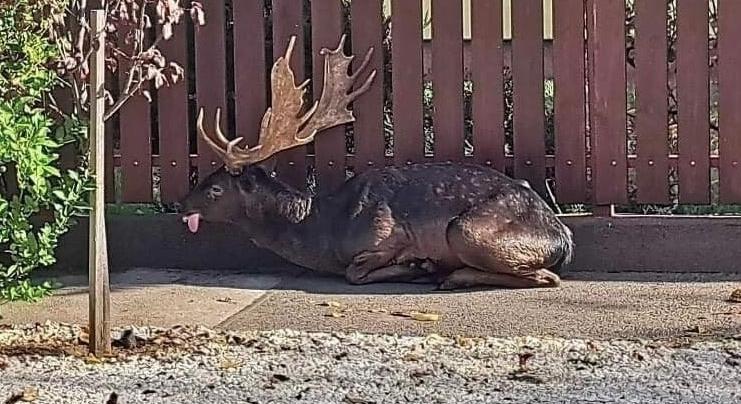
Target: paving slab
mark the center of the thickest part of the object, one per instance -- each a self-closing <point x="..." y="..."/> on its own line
<point x="642" y="305"/>
<point x="588" y="305"/>
<point x="156" y="297"/>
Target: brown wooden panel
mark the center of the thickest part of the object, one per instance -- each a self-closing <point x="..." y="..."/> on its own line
<point x="288" y="19"/>
<point x="406" y="80"/>
<point x="367" y="32"/>
<point x="173" y="123"/>
<point x="488" y="97"/>
<point x="693" y="101"/>
<point x="249" y="68"/>
<point x="527" y="83"/>
<point x="112" y="128"/>
<point x="652" y="170"/>
<point x="447" y="74"/>
<point x="729" y="55"/>
<point x="210" y="41"/>
<point x="569" y="100"/>
<point x="329" y="145"/>
<point x="136" y="149"/>
<point x="605" y="22"/>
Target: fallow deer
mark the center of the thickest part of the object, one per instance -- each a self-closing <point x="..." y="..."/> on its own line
<point x="458" y="225"/>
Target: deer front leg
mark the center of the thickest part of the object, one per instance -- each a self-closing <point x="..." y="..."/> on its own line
<point x="391" y="273"/>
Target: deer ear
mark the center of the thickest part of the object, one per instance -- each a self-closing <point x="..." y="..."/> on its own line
<point x="269" y="166"/>
<point x="293" y="205"/>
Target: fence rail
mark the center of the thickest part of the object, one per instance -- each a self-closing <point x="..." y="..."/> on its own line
<point x="622" y="105"/>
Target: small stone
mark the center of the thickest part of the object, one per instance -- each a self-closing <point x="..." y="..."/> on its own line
<point x="127" y="340"/>
<point x="280" y="378"/>
<point x="735" y="296"/>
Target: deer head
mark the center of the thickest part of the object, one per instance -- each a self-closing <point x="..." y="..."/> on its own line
<point x="242" y="187"/>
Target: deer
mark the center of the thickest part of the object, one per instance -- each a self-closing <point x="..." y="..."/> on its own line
<point x="458" y="225"/>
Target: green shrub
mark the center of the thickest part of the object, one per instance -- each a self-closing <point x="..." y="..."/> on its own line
<point x="37" y="200"/>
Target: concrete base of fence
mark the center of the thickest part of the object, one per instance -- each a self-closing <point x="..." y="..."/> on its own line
<point x="614" y="244"/>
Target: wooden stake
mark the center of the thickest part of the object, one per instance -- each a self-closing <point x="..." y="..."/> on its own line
<point x="99" y="288"/>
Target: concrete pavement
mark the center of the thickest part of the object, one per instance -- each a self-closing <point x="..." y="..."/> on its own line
<point x="624" y="305"/>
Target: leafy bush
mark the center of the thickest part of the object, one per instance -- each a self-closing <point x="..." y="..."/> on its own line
<point x="37" y="200"/>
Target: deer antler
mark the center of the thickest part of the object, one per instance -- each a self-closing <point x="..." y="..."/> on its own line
<point x="282" y="127"/>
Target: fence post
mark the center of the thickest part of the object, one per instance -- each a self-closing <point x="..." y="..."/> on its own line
<point x="98" y="281"/>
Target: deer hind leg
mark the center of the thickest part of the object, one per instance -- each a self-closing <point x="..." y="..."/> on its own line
<point x="470" y="277"/>
<point x="495" y="249"/>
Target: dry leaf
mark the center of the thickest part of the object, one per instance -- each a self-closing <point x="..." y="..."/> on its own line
<point x="425" y="316"/>
<point x="92" y="360"/>
<point x="30" y="394"/>
<point x="413" y="357"/>
<point x="229" y="364"/>
<point x="735" y="296"/>
<point x="334" y="314"/>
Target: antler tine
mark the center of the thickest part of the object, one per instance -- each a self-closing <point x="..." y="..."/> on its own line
<point x="217" y="127"/>
<point x="219" y="149"/>
<point x="332" y="108"/>
<point x="368" y="81"/>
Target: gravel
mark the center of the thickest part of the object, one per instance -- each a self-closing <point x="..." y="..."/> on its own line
<point x="46" y="363"/>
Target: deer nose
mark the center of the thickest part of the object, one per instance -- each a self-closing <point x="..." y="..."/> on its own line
<point x="177" y="207"/>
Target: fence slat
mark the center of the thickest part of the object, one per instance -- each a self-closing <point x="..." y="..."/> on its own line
<point x="406" y="77"/>
<point x="288" y="19"/>
<point x="367" y="32"/>
<point x="447" y="83"/>
<point x="729" y="55"/>
<point x="249" y="72"/>
<point x="569" y="99"/>
<point x="210" y="41"/>
<point x="527" y="83"/>
<point x="488" y="99"/>
<point x="693" y="102"/>
<point x="135" y="146"/>
<point x="652" y="166"/>
<point x="329" y="146"/>
<point x="607" y="103"/>
<point x="172" y="105"/>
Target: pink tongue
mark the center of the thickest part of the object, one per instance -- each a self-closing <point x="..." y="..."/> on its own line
<point x="193" y="221"/>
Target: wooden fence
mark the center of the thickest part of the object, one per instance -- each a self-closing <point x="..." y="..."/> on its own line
<point x="620" y="105"/>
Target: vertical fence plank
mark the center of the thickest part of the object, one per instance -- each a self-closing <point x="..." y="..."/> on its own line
<point x="447" y="78"/>
<point x="172" y="104"/>
<point x="569" y="99"/>
<point x="607" y="100"/>
<point x="729" y="55"/>
<point x="652" y="166"/>
<point x="488" y="99"/>
<point x="329" y="145"/>
<point x="693" y="101"/>
<point x="210" y="62"/>
<point x="136" y="148"/>
<point x="406" y="80"/>
<point x="249" y="71"/>
<point x="527" y="83"/>
<point x="367" y="32"/>
<point x="288" y="20"/>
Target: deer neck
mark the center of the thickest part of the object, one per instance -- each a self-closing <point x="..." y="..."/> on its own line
<point x="307" y="243"/>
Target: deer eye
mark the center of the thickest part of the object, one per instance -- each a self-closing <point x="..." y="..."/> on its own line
<point x="215" y="191"/>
